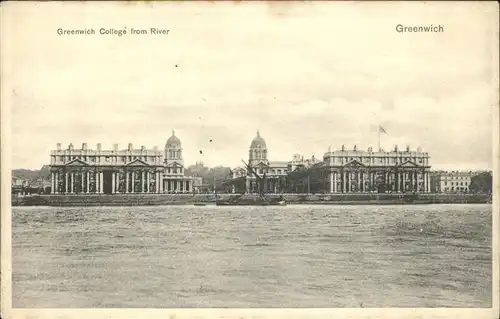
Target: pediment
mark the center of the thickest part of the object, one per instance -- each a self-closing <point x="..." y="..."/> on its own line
<point x="137" y="162"/>
<point x="174" y="164"/>
<point x="408" y="164"/>
<point x="260" y="165"/>
<point x="354" y="163"/>
<point x="76" y="162"/>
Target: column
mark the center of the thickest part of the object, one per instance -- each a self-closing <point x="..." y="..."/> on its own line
<point x="101" y="182"/>
<point x="398" y="178"/>
<point x="372" y="180"/>
<point x="349" y="182"/>
<point x="127" y="177"/>
<point x="363" y="182"/>
<point x="414" y="182"/>
<point x="157" y="182"/>
<point x="132" y="190"/>
<point x="344" y="189"/>
<point x="358" y="187"/>
<point x="148" y="181"/>
<point x="117" y="182"/>
<point x="88" y="183"/>
<point x="403" y="180"/>
<point x="113" y="182"/>
<point x="407" y="179"/>
<point x="56" y="189"/>
<point x="403" y="177"/>
<point x="233" y="189"/>
<point x="161" y="182"/>
<point x="52" y="183"/>
<point x="331" y="182"/>
<point x="97" y="182"/>
<point x="335" y="182"/>
<point x="66" y="182"/>
<point x="83" y="182"/>
<point x="72" y="184"/>
<point x="426" y="182"/>
<point x="144" y="181"/>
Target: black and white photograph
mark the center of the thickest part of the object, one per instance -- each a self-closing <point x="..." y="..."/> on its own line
<point x="242" y="159"/>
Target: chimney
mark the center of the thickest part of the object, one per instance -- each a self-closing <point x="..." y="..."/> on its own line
<point x="84" y="146"/>
<point x="130" y="146"/>
<point x="354" y="148"/>
<point x="99" y="146"/>
<point x="143" y="148"/>
<point x="395" y="148"/>
<point x="408" y="148"/>
<point x="370" y="149"/>
<point x="58" y="146"/>
<point x="419" y="149"/>
<point x="155" y="148"/>
<point x="115" y="147"/>
<point x="343" y="147"/>
<point x="70" y="147"/>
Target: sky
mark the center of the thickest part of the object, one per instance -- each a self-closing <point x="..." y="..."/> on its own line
<point x="306" y="75"/>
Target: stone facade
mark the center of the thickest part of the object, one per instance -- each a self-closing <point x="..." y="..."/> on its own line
<point x="359" y="171"/>
<point x="340" y="171"/>
<point x="452" y="182"/>
<point x="118" y="171"/>
<point x="98" y="171"/>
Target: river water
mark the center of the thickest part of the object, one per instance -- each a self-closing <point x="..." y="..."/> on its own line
<point x="293" y="256"/>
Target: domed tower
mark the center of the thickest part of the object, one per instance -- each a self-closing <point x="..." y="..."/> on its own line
<point x="258" y="151"/>
<point x="173" y="150"/>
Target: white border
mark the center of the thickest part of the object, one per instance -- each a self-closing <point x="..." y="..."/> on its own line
<point x="6" y="254"/>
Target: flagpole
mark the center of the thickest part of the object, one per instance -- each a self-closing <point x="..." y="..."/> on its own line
<point x="378" y="131"/>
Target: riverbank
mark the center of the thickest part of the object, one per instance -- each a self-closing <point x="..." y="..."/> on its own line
<point x="190" y="199"/>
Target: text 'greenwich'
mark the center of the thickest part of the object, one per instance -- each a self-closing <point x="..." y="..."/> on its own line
<point x="419" y="28"/>
<point x="112" y="31"/>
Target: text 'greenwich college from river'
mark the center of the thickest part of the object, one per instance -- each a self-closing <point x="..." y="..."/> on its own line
<point x="112" y="31"/>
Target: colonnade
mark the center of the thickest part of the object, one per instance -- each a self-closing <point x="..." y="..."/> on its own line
<point x="273" y="185"/>
<point x="360" y="181"/>
<point x="93" y="182"/>
<point x="176" y="185"/>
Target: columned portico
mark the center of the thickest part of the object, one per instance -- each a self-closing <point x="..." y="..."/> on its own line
<point x="99" y="171"/>
<point x="177" y="184"/>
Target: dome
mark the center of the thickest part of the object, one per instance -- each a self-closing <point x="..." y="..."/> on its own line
<point x="173" y="140"/>
<point x="258" y="142"/>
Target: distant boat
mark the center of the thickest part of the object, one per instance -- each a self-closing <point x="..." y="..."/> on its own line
<point x="252" y="202"/>
<point x="200" y="204"/>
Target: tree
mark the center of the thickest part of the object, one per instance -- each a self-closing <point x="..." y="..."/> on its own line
<point x="481" y="183"/>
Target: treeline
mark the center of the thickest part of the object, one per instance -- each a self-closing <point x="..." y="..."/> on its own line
<point x="32" y="175"/>
<point x="217" y="176"/>
<point x="482" y="183"/>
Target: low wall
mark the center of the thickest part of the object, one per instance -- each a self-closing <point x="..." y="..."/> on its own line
<point x="189" y="199"/>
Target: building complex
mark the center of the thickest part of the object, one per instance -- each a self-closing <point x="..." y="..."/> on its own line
<point x="343" y="170"/>
<point x="340" y="171"/>
<point x="117" y="171"/>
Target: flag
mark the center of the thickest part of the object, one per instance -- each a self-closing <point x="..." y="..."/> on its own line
<point x="381" y="129"/>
